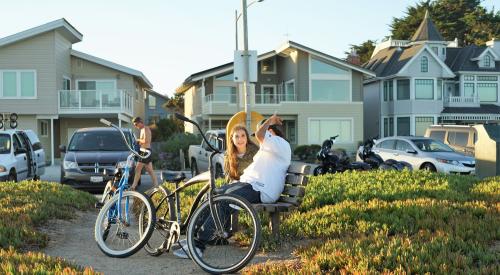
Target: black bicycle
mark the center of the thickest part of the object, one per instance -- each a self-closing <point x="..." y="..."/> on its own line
<point x="232" y="219"/>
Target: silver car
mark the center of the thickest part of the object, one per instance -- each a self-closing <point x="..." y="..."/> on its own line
<point x="424" y="153"/>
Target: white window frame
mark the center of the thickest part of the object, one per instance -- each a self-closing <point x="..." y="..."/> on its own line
<point x="274" y="66"/>
<point x="434" y="83"/>
<point x="44" y="124"/>
<point x="286" y="89"/>
<point x="351" y="119"/>
<point x="312" y="77"/>
<point x="18" y="84"/>
<point x="67" y="78"/>
<point x="262" y="86"/>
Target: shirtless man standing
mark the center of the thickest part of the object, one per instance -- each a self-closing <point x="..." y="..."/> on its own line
<point x="145" y="143"/>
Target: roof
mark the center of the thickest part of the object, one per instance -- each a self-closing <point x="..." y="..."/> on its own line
<point x="157" y="94"/>
<point x="227" y="67"/>
<point x="482" y="109"/>
<point x="427" y="31"/>
<point x="390" y="61"/>
<point x="61" y="25"/>
<point x="112" y="65"/>
<point x="460" y="59"/>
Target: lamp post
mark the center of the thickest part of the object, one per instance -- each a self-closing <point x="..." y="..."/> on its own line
<point x="244" y="7"/>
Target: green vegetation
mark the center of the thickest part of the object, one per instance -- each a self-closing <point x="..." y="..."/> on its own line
<point x="25" y="206"/>
<point x="394" y="222"/>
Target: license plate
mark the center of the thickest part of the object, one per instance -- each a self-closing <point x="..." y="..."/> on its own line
<point x="96" y="179"/>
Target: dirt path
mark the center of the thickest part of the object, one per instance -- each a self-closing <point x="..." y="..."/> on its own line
<point x="74" y="241"/>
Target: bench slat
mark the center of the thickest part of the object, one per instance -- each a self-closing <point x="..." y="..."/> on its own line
<point x="294" y="191"/>
<point x="274" y="207"/>
<point x="296" y="179"/>
<point x="299" y="168"/>
<point x="293" y="200"/>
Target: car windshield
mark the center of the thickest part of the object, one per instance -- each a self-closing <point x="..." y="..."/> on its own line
<point x="4" y="144"/>
<point x="430" y="145"/>
<point x="97" y="141"/>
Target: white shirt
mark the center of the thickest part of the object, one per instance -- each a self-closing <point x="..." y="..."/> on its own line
<point x="267" y="172"/>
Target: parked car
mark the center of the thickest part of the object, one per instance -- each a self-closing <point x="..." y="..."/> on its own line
<point x="21" y="156"/>
<point x="92" y="156"/>
<point x="424" y="153"/>
<point x="459" y="137"/>
<point x="198" y="154"/>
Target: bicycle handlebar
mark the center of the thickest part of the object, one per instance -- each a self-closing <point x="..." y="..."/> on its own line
<point x="109" y="124"/>
<point x="185" y="119"/>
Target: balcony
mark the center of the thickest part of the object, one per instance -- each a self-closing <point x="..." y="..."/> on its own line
<point x="271" y="98"/>
<point x="95" y="101"/>
<point x="219" y="104"/>
<point x="461" y="101"/>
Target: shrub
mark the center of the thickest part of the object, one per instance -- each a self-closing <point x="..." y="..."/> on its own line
<point x="170" y="150"/>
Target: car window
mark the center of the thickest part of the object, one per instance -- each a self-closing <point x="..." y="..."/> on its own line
<point x="17" y="143"/>
<point x="437" y="135"/>
<point x="97" y="141"/>
<point x="5" y="144"/>
<point x="458" y="138"/>
<point x="213" y="141"/>
<point x="430" y="145"/>
<point x="387" y="144"/>
<point x="402" y="145"/>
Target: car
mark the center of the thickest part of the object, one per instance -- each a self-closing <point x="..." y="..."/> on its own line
<point x="198" y="154"/>
<point x="460" y="138"/>
<point x="21" y="156"/>
<point x="424" y="153"/>
<point x="92" y="156"/>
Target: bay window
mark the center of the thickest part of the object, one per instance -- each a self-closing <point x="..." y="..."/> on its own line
<point x="424" y="89"/>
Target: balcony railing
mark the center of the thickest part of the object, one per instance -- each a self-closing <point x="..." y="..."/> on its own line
<point x="221" y="98"/>
<point x="461" y="101"/>
<point x="261" y="98"/>
<point x="97" y="101"/>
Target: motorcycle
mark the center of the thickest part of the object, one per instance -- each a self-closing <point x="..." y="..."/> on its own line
<point x="366" y="154"/>
<point x="335" y="161"/>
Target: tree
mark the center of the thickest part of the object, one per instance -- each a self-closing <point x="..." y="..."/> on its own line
<point x="166" y="128"/>
<point x="364" y="50"/>
<point x="176" y="103"/>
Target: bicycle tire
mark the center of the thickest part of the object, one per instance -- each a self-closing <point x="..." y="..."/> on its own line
<point x="164" y="215"/>
<point x="234" y="243"/>
<point x="124" y="226"/>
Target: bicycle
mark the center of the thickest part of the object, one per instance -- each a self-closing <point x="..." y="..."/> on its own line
<point x="236" y="229"/>
<point x="122" y="210"/>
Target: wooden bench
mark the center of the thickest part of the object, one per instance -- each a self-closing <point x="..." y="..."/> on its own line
<point x="290" y="199"/>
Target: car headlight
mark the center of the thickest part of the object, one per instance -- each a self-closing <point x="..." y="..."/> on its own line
<point x="452" y="162"/>
<point x="3" y="169"/>
<point x="121" y="164"/>
<point x="70" y="164"/>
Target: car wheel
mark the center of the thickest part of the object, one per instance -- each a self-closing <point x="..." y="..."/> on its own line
<point x="12" y="176"/>
<point x="218" y="172"/>
<point x="194" y="168"/>
<point x="428" y="166"/>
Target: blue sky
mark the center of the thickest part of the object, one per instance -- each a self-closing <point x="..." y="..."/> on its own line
<point x="170" y="39"/>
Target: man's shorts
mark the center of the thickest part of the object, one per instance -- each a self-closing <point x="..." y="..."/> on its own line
<point x="143" y="152"/>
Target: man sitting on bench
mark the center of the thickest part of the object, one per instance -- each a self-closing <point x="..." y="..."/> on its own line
<point x="261" y="182"/>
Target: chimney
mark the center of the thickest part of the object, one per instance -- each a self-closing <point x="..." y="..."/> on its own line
<point x="353" y="58"/>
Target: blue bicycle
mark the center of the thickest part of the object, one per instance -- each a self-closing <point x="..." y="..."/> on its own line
<point x="126" y="218"/>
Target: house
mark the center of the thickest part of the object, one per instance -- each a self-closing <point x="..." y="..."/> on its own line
<point x="427" y="80"/>
<point x="316" y="94"/>
<point x="55" y="89"/>
<point x="153" y="107"/>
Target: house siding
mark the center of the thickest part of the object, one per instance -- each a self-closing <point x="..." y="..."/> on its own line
<point x="36" y="53"/>
<point x="434" y="68"/>
<point x="357" y="86"/>
<point x="302" y="79"/>
<point x="62" y="59"/>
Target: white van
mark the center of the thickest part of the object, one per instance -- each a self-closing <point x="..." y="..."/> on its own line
<point x="21" y="156"/>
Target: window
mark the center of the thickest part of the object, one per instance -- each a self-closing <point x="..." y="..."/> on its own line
<point x="227" y="77"/>
<point x="424" y="89"/>
<point x="66" y="83"/>
<point x="387" y="144"/>
<point x="486" y="78"/>
<point x="290" y="131"/>
<point x="267" y="95"/>
<point x="268" y="66"/>
<point x="421" y="124"/>
<point x="443" y="51"/>
<point x="468" y="77"/>
<point x="439" y="89"/>
<point x="403" y="126"/>
<point x="435" y="50"/>
<point x="330" y="90"/>
<point x="487" y="92"/>
<point x="424" y="64"/>
<point x="44" y="128"/>
<point x="18" y="84"/>
<point x="487" y="61"/>
<point x="5" y="144"/>
<point x="388" y="90"/>
<point x="95" y="91"/>
<point x="468" y="89"/>
<point x="403" y="90"/>
<point x="458" y="138"/>
<point x="289" y="91"/>
<point x="402" y="145"/>
<point x="320" y="67"/>
<point x="151" y="102"/>
<point x="321" y="129"/>
<point x="437" y="135"/>
<point x="388" y="126"/>
<point x="225" y="94"/>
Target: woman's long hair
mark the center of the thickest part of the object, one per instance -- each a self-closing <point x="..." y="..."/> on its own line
<point x="232" y="151"/>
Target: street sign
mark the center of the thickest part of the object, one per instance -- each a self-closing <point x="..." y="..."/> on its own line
<point x="239" y="66"/>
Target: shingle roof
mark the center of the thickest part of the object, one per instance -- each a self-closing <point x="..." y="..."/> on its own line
<point x="427" y="31"/>
<point x="459" y="59"/>
<point x="390" y="61"/>
<point x="483" y="109"/>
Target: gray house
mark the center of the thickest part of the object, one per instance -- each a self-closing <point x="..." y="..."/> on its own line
<point x="154" y="110"/>
<point x="317" y="94"/>
<point x="427" y="80"/>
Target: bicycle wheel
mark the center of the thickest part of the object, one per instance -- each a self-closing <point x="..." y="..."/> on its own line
<point x="228" y="251"/>
<point x="165" y="214"/>
<point x="117" y="226"/>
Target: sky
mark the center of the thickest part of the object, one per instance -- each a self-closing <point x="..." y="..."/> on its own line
<point x="168" y="40"/>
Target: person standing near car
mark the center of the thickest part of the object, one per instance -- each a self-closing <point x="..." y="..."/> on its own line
<point x="145" y="147"/>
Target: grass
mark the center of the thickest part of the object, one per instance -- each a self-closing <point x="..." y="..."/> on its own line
<point x="395" y="223"/>
<point x="26" y="205"/>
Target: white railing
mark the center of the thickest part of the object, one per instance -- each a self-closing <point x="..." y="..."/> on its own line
<point x="461" y="101"/>
<point x="265" y="98"/>
<point x="97" y="101"/>
<point x="389" y="43"/>
<point x="220" y="98"/>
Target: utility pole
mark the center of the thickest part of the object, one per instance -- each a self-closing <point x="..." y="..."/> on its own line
<point x="246" y="65"/>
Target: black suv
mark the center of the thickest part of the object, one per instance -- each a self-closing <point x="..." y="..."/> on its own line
<point x="92" y="156"/>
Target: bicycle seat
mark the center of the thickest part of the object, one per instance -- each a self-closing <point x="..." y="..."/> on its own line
<point x="171" y="176"/>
